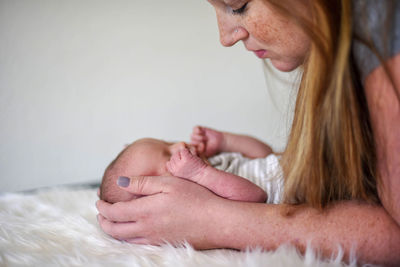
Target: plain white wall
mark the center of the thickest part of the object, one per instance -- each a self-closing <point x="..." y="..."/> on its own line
<point x="79" y="79"/>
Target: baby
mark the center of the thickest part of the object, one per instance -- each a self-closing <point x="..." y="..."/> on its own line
<point x="145" y="157"/>
<point x="151" y="157"/>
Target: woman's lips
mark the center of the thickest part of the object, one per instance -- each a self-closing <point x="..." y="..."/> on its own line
<point x="261" y="53"/>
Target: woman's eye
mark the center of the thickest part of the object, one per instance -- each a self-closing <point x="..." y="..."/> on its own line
<point x="240" y="10"/>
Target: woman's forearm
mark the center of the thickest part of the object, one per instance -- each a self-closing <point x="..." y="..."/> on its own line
<point x="366" y="229"/>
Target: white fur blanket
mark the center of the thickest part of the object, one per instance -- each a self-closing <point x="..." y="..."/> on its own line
<point x="58" y="227"/>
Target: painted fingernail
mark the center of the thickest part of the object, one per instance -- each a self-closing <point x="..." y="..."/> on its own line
<point x="123" y="181"/>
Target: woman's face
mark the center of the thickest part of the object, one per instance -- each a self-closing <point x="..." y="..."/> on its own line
<point x="263" y="30"/>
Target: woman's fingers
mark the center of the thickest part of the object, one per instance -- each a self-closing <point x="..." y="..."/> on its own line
<point x="120" y="211"/>
<point x="120" y="231"/>
<point x="143" y="185"/>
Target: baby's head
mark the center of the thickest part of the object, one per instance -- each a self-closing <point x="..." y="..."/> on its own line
<point x="145" y="157"/>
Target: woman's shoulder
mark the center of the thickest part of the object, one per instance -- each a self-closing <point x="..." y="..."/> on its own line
<point x="376" y="27"/>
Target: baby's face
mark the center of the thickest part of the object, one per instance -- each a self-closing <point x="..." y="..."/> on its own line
<point x="149" y="156"/>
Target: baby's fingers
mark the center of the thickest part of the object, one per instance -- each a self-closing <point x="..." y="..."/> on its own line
<point x="197" y="139"/>
<point x="200" y="147"/>
<point x="198" y="130"/>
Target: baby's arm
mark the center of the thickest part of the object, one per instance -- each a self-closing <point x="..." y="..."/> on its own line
<point x="186" y="165"/>
<point x="211" y="142"/>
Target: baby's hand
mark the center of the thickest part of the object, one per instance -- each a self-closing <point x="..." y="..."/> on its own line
<point x="184" y="164"/>
<point x="208" y="141"/>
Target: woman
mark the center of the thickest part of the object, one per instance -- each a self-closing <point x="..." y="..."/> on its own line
<point x="342" y="161"/>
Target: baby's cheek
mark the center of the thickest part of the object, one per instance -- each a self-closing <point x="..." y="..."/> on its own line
<point x="119" y="196"/>
<point x="128" y="197"/>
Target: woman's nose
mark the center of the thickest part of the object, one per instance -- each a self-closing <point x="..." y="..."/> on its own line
<point x="229" y="33"/>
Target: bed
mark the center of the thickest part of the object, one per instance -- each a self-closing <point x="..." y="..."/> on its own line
<point x="57" y="227"/>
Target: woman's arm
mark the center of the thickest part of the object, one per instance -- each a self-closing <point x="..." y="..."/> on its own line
<point x="366" y="230"/>
<point x="174" y="210"/>
<point x="384" y="107"/>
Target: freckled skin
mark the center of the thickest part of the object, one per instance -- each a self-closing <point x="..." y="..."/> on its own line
<point x="262" y="27"/>
<point x="189" y="211"/>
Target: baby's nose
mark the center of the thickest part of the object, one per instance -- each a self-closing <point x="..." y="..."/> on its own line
<point x="177" y="146"/>
<point x="181" y="145"/>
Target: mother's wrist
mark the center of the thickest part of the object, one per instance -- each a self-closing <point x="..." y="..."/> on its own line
<point x="223" y="215"/>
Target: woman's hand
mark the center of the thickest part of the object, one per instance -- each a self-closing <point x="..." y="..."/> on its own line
<point x="171" y="210"/>
<point x="208" y="141"/>
<point x="174" y="209"/>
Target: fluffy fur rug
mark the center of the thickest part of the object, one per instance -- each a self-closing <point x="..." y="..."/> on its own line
<point x="58" y="227"/>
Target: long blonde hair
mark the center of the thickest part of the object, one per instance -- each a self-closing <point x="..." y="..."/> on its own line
<point x="330" y="155"/>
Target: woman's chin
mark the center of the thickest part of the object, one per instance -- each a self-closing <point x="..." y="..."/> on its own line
<point x="284" y="66"/>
